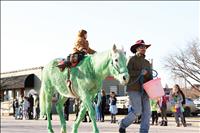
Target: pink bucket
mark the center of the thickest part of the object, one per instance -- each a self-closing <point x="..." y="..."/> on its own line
<point x="154" y="88"/>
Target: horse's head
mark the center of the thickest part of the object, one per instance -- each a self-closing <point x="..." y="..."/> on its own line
<point x="118" y="66"/>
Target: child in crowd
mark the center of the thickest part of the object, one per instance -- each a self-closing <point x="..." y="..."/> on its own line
<point x="154" y="108"/>
<point x="113" y="108"/>
<point x="26" y="106"/>
<point x="177" y="107"/>
<point x="163" y="109"/>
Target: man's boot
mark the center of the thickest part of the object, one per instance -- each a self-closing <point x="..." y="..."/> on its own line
<point x="165" y="123"/>
<point x="178" y="125"/>
<point x="162" y="123"/>
<point x="122" y="130"/>
<point x="114" y="121"/>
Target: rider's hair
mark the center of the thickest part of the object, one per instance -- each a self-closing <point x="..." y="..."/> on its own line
<point x="81" y="33"/>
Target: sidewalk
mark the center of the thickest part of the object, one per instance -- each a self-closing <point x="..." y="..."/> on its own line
<point x="10" y="125"/>
<point x="191" y="121"/>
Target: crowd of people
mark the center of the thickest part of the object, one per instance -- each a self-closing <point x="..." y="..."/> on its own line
<point x="26" y="107"/>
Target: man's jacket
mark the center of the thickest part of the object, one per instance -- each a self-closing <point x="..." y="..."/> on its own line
<point x="135" y="66"/>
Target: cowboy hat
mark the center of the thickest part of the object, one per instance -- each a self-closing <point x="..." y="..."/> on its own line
<point x="137" y="44"/>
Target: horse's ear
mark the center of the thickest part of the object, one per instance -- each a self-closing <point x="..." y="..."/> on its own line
<point x="114" y="48"/>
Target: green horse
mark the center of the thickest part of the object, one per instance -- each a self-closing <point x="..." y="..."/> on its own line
<point x="86" y="79"/>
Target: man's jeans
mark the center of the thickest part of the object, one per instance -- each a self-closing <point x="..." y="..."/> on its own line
<point x="140" y="106"/>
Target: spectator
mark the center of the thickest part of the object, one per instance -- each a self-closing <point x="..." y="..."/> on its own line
<point x="97" y="104"/>
<point x="66" y="109"/>
<point x="183" y="102"/>
<point x="36" y="106"/>
<point x="113" y="108"/>
<point x="163" y="109"/>
<point x="77" y="106"/>
<point x="176" y="100"/>
<point x="154" y="108"/>
<point x="103" y="104"/>
<point x="16" y="106"/>
<point x="31" y="101"/>
<point x="26" y="106"/>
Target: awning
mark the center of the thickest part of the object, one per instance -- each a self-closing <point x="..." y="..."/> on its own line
<point x="22" y="81"/>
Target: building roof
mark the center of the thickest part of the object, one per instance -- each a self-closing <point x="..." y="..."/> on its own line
<point x="34" y="68"/>
<point x="21" y="81"/>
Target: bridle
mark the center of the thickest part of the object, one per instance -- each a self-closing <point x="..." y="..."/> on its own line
<point x="116" y="68"/>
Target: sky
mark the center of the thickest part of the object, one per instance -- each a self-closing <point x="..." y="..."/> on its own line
<point x="35" y="32"/>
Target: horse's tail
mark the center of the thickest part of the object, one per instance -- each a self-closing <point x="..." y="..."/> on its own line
<point x="43" y="96"/>
<point x="42" y="101"/>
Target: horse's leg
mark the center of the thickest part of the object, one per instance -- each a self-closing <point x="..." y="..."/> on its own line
<point x="91" y="111"/>
<point x="59" y="108"/>
<point x="48" y="109"/>
<point x="81" y="115"/>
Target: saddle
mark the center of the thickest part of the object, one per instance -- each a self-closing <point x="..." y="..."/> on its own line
<point x="71" y="61"/>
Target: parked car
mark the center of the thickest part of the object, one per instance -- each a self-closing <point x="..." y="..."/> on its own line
<point x="122" y="102"/>
<point x="190" y="107"/>
<point x="197" y="104"/>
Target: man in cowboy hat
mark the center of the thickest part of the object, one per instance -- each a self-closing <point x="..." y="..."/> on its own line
<point x="140" y="72"/>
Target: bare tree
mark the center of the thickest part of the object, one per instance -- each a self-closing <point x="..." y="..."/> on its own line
<point x="186" y="63"/>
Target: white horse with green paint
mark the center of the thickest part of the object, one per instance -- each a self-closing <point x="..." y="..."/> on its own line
<point x="86" y="79"/>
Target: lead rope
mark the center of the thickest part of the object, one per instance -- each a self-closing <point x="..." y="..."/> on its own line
<point x="141" y="79"/>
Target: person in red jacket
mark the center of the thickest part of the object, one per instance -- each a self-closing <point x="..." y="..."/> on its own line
<point x="163" y="109"/>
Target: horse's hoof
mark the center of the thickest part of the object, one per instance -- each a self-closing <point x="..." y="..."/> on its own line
<point x="50" y="131"/>
<point x="74" y="131"/>
<point x="97" y="131"/>
<point x="63" y="131"/>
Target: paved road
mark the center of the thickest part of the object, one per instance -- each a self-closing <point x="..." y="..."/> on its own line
<point x="9" y="125"/>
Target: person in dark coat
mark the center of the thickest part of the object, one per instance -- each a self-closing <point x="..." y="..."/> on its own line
<point x="103" y="104"/>
<point x="15" y="107"/>
<point x="66" y="109"/>
<point x="31" y="101"/>
<point x="140" y="72"/>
